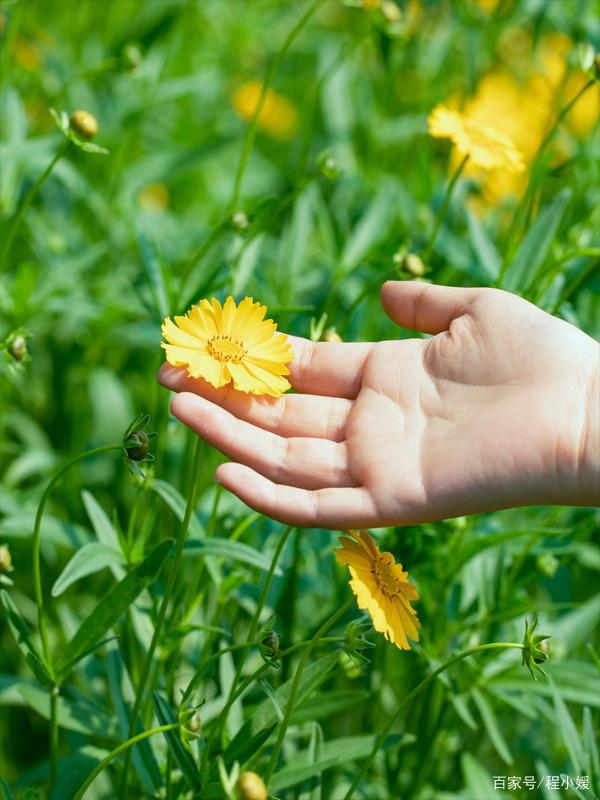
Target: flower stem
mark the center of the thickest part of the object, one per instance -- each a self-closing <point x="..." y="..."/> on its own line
<point x="524" y="202"/>
<point x="54" y="735"/>
<point x="251" y="133"/>
<point x="443" y="208"/>
<point x="147" y="665"/>
<point x="117" y="751"/>
<point x="383" y="734"/>
<point x="26" y="202"/>
<point x="251" y="636"/>
<point x="296" y="684"/>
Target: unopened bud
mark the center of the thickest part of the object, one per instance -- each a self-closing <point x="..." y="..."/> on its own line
<point x="250" y="786"/>
<point x="331" y="335"/>
<point x="542" y="652"/>
<point x="390" y="11"/>
<point x="139" y="444"/>
<point x="5" y="559"/>
<point x="132" y="56"/>
<point x="413" y="264"/>
<point x="18" y="347"/>
<point x="239" y="221"/>
<point x="84" y="124"/>
<point x="271" y="642"/>
<point x="195" y="723"/>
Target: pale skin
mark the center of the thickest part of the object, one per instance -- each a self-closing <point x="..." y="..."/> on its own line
<point x="498" y="408"/>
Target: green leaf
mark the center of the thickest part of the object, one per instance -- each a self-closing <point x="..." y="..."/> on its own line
<point x="567" y="729"/>
<point x="532" y="252"/>
<point x="110" y="608"/>
<point x="74" y="769"/>
<point x="159" y="279"/>
<point x="177" y="505"/>
<point x="20" y="630"/>
<point x="5" y="789"/>
<point x="334" y="753"/>
<point x="183" y="758"/>
<point x="487" y="255"/>
<point x="575" y="627"/>
<point x="103" y="527"/>
<point x="478" y="781"/>
<point x="591" y="749"/>
<point x="370" y="229"/>
<point x="244" y="745"/>
<point x="491" y="725"/>
<point x="235" y="551"/>
<point x="90" y="559"/>
<point x="314" y="674"/>
<point x="73" y="715"/>
<point x="122" y="695"/>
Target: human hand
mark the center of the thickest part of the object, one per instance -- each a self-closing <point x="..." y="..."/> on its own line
<point x="498" y="409"/>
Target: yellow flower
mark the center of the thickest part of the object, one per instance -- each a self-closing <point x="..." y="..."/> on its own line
<point x="277" y="117"/>
<point x="485" y="147"/>
<point x="381" y="587"/>
<point x="230" y="343"/>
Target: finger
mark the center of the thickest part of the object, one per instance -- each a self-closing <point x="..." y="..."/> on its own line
<point x="310" y="463"/>
<point x="337" y="508"/>
<point x="289" y="415"/>
<point x="423" y="306"/>
<point x="327" y="368"/>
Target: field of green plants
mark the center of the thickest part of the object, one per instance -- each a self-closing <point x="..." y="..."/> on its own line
<point x="158" y="638"/>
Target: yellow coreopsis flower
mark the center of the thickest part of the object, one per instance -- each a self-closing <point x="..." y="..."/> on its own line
<point x="485" y="147"/>
<point x="381" y="587"/>
<point x="277" y="117"/>
<point x="229" y="343"/>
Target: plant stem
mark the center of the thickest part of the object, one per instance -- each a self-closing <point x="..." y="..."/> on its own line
<point x="37" y="577"/>
<point x="251" y="133"/>
<point x="117" y="751"/>
<point x="54" y="735"/>
<point x="214" y="657"/>
<point x="383" y="734"/>
<point x="141" y="689"/>
<point x="523" y="203"/>
<point x="296" y="684"/>
<point x="443" y="208"/>
<point x="26" y="202"/>
<point x="251" y="636"/>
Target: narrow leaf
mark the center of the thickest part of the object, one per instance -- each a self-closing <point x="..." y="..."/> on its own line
<point x="534" y="248"/>
<point x="20" y="630"/>
<point x="492" y="727"/>
<point x="111" y="607"/>
<point x="183" y="757"/>
<point x="235" y="551"/>
<point x="90" y="559"/>
<point x="567" y="728"/>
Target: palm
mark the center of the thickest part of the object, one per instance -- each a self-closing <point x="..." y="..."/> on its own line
<point x="392" y="432"/>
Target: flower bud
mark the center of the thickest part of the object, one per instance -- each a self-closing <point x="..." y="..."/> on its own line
<point x="84" y="124"/>
<point x="391" y="11"/>
<point x="547" y="564"/>
<point x="329" y="167"/>
<point x="5" y="559"/>
<point x="535" y="648"/>
<point x="271" y="643"/>
<point x="331" y="335"/>
<point x="239" y="221"/>
<point x="413" y="265"/>
<point x="18" y="347"/>
<point x="132" y="55"/>
<point x="250" y="786"/>
<point x="139" y="444"/>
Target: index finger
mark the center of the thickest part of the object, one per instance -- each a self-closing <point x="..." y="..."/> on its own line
<point x="327" y="368"/>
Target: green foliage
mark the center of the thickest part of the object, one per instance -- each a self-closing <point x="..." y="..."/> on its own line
<point x="189" y="200"/>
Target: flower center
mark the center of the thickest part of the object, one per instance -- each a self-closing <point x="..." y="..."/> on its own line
<point x="383" y="572"/>
<point x="226" y="348"/>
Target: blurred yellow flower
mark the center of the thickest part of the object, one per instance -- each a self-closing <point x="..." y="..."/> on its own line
<point x="27" y="55"/>
<point x="481" y="143"/>
<point x="277" y="117"/>
<point x="154" y="198"/>
<point x="229" y="343"/>
<point x="381" y="587"/>
<point x="371" y="5"/>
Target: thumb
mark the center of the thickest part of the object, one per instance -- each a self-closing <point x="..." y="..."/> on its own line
<point x="424" y="306"/>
